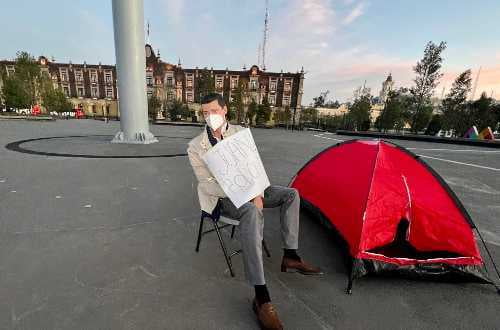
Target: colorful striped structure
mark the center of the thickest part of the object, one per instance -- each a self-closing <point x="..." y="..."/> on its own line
<point x="487" y="134"/>
<point x="472" y="133"/>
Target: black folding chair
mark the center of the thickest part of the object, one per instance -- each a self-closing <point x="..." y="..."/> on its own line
<point x="227" y="222"/>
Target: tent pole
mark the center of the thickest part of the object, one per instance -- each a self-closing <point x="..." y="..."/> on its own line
<point x="491" y="258"/>
<point x="349" y="286"/>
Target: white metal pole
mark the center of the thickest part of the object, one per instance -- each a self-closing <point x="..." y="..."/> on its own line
<point x="128" y="23"/>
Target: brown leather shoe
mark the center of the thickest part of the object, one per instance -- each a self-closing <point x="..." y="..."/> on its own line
<point x="300" y="266"/>
<point x="267" y="316"/>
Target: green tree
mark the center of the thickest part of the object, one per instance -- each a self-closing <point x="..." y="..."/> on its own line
<point x="154" y="105"/>
<point x="53" y="99"/>
<point x="482" y="113"/>
<point x="263" y="112"/>
<point x="359" y="113"/>
<point x="454" y="104"/>
<point x="332" y="104"/>
<point x="278" y="117"/>
<point x="496" y="112"/>
<point x="331" y="123"/>
<point x="434" y="126"/>
<point x="186" y="112"/>
<point x="423" y="117"/>
<point x="252" y="111"/>
<point x="238" y="104"/>
<point x="283" y="117"/>
<point x="175" y="110"/>
<point x="427" y="77"/>
<point x="231" y="113"/>
<point x="287" y="116"/>
<point x="22" y="88"/>
<point x="320" y="100"/>
<point x="14" y="94"/>
<point x="308" y="116"/>
<point x="392" y="112"/>
<point x="206" y="84"/>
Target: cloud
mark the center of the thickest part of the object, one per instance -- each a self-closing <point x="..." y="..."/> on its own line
<point x="357" y="11"/>
<point x="310" y="34"/>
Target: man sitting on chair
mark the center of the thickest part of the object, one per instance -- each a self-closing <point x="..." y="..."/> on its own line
<point x="213" y="200"/>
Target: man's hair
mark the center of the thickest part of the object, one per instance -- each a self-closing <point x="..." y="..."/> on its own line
<point x="212" y="97"/>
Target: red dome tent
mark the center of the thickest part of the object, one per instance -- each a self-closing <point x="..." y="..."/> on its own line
<point x="394" y="212"/>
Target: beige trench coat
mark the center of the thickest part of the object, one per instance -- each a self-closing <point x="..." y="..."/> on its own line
<point x="209" y="190"/>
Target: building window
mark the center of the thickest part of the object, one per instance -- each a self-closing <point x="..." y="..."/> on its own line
<point x="109" y="92"/>
<point x="253" y="83"/>
<point x="189" y="97"/>
<point x="80" y="91"/>
<point x="219" y="82"/>
<point x="149" y="93"/>
<point x="64" y="74"/>
<point x="234" y="82"/>
<point x="170" y="96"/>
<point x="272" y="85"/>
<point x="94" y="92"/>
<point x="78" y="76"/>
<point x="93" y="76"/>
<point x="108" y="77"/>
<point x="286" y="100"/>
<point x="272" y="99"/>
<point x="149" y="79"/>
<point x="169" y="81"/>
<point x="66" y="90"/>
<point x="10" y="70"/>
<point x="288" y="85"/>
<point x="189" y="80"/>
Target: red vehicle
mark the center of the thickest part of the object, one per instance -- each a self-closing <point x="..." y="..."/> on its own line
<point x="79" y="114"/>
<point x="35" y="111"/>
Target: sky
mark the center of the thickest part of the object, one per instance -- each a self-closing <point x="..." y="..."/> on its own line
<point x="340" y="43"/>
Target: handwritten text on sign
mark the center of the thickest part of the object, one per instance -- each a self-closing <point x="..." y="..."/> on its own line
<point x="236" y="165"/>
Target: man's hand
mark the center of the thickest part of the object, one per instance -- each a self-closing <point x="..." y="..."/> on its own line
<point x="259" y="202"/>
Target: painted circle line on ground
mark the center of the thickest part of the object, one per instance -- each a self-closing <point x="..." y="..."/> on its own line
<point x="16" y="146"/>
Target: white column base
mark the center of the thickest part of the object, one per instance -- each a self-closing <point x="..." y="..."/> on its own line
<point x="139" y="138"/>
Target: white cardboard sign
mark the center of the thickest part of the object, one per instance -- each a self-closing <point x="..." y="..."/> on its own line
<point x="236" y="165"/>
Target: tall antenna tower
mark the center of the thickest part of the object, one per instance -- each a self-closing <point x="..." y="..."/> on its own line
<point x="264" y="41"/>
<point x="475" y="85"/>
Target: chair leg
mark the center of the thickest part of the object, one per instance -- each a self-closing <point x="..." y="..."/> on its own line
<point x="232" y="231"/>
<point x="200" y="233"/>
<point x="264" y="245"/>
<point x="228" y="260"/>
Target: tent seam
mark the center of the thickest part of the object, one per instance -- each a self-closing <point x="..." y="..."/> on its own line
<point x="368" y="196"/>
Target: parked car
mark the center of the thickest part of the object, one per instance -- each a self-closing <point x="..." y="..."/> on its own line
<point x="24" y="111"/>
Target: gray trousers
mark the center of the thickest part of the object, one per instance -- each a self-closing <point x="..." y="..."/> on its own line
<point x="252" y="225"/>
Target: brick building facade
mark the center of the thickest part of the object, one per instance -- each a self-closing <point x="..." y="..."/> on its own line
<point x="93" y="88"/>
<point x="89" y="87"/>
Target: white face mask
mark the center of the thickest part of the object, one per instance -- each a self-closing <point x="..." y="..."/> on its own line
<point x="214" y="121"/>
